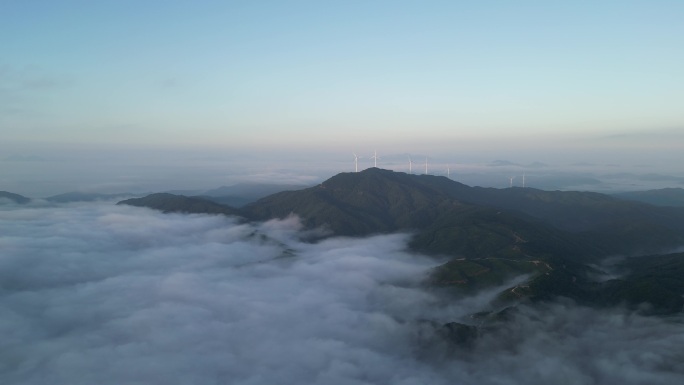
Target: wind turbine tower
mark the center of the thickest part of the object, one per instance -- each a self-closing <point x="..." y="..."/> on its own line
<point x="356" y="162"/>
<point x="426" y="165"/>
<point x="511" y="178"/>
<point x="410" y="165"/>
<point x="523" y="180"/>
<point x="375" y="158"/>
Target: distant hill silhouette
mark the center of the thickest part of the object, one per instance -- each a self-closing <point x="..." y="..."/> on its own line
<point x="16" y="198"/>
<point x="240" y="194"/>
<point x="76" y="196"/>
<point x="662" y="197"/>
<point x="168" y="203"/>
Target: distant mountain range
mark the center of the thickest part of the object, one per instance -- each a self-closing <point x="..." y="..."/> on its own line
<point x="86" y="197"/>
<point x="236" y="195"/>
<point x="170" y="203"/>
<point x="240" y="194"/>
<point x="503" y="163"/>
<point x="661" y="197"/>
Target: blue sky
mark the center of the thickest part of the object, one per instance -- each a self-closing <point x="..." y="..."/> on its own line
<point x="405" y="76"/>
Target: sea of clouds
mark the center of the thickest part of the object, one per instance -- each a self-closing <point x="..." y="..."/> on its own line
<point x="94" y="293"/>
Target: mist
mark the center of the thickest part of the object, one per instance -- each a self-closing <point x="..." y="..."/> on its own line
<point x="42" y="171"/>
<point x="99" y="293"/>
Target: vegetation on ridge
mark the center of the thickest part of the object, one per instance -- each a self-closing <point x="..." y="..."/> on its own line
<point x="491" y="235"/>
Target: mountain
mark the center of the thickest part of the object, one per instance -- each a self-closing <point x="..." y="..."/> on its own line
<point x="553" y="239"/>
<point x="657" y="280"/>
<point x="448" y="217"/>
<point x="240" y="194"/>
<point x="652" y="284"/>
<point x="500" y="163"/>
<point x="495" y="235"/>
<point x="16" y="198"/>
<point x="168" y="203"/>
<point x="661" y="197"/>
<point x="255" y="190"/>
<point x="380" y="201"/>
<point x="85" y="197"/>
<point x="452" y="216"/>
<point x="368" y="202"/>
<point x="621" y="226"/>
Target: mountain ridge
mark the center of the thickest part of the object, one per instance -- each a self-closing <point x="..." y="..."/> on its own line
<point x="489" y="235"/>
<point x="170" y="203"/>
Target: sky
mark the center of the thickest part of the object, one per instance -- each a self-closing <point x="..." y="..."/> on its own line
<point x="278" y="81"/>
<point x="96" y="293"/>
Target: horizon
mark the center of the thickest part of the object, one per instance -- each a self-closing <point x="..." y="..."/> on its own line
<point x="602" y="178"/>
<point x="294" y="88"/>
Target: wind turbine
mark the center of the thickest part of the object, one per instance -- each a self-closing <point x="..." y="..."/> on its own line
<point x="426" y="165"/>
<point x="511" y="178"/>
<point x="410" y="165"/>
<point x="523" y="180"/>
<point x="449" y="172"/>
<point x="356" y="162"/>
<point x="375" y="158"/>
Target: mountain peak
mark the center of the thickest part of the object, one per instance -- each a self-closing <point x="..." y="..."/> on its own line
<point x="378" y="177"/>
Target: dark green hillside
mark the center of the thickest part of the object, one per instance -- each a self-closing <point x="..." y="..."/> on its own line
<point x="650" y="284"/>
<point x="456" y="219"/>
<point x="378" y="201"/>
<point x="241" y="194"/>
<point x="573" y="210"/>
<point x="548" y="278"/>
<point x="501" y="233"/>
<point x="662" y="197"/>
<point x="85" y="197"/>
<point x="657" y="280"/>
<point x="180" y="204"/>
<point x="468" y="274"/>
<point x="16" y="198"/>
<point x="615" y="226"/>
<point x="479" y="232"/>
<point x="372" y="201"/>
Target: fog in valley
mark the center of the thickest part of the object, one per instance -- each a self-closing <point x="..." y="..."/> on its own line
<point x="99" y="293"/>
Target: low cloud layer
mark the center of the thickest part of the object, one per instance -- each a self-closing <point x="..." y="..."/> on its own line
<point x="102" y="294"/>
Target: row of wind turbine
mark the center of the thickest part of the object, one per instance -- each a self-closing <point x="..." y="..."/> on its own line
<point x="411" y="165"/>
<point x="513" y="177"/>
<point x="375" y="158"/>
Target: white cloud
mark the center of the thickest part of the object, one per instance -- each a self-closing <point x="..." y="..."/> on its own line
<point x="97" y="293"/>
